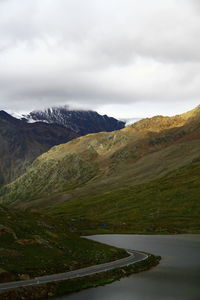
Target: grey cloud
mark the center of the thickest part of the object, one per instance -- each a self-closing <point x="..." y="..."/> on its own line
<point x="96" y="53"/>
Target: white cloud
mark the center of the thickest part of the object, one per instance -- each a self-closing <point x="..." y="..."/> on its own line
<point x="110" y="55"/>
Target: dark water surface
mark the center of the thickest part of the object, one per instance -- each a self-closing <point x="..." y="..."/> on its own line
<point x="176" y="277"/>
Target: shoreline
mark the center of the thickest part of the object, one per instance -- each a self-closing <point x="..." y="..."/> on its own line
<point x="64" y="287"/>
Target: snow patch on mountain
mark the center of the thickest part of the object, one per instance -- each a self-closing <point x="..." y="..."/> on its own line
<point x="80" y="121"/>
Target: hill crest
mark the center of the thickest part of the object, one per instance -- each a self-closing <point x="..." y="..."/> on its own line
<point x="108" y="160"/>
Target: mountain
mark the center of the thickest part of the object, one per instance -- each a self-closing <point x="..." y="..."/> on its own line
<point x="21" y="143"/>
<point x="105" y="162"/>
<point x="26" y="137"/>
<point x="80" y="121"/>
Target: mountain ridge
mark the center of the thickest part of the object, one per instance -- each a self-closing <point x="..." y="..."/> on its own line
<point x="160" y="122"/>
<point x="81" y="121"/>
<point x="91" y="161"/>
<point x="23" y="141"/>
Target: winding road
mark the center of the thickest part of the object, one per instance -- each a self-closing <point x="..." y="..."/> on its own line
<point x="134" y="256"/>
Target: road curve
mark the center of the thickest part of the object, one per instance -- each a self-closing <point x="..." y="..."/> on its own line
<point x="134" y="256"/>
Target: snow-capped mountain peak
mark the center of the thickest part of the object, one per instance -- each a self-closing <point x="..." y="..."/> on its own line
<point x="80" y="121"/>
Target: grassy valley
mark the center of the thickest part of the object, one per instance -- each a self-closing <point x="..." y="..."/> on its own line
<point x="141" y="179"/>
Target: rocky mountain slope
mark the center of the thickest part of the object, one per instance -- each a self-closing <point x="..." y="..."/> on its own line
<point x="22" y="140"/>
<point x="80" y="121"/>
<point x="21" y="143"/>
<point x="104" y="162"/>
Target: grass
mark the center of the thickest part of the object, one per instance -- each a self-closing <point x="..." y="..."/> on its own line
<point x="167" y="205"/>
<point x="36" y="245"/>
<point x="97" y="179"/>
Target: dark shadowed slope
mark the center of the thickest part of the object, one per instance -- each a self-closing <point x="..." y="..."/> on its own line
<point x="21" y="143"/>
<point x="134" y="257"/>
<point x="80" y="121"/>
<point x="35" y="245"/>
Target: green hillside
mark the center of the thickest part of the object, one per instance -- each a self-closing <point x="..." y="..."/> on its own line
<point x="88" y="165"/>
<point x="34" y="245"/>
<point x="170" y="204"/>
<point x="142" y="179"/>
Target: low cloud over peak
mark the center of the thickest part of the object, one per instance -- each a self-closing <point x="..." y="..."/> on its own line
<point x="103" y="55"/>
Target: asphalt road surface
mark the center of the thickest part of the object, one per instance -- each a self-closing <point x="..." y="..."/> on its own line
<point x="133" y="257"/>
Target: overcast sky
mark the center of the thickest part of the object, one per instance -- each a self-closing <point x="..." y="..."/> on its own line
<point x="125" y="58"/>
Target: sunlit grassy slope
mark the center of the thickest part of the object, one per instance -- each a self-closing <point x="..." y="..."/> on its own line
<point x="100" y="162"/>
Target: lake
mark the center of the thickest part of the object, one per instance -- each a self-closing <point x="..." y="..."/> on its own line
<point x="176" y="277"/>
